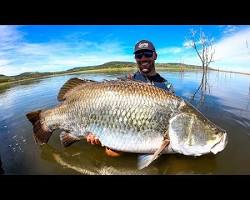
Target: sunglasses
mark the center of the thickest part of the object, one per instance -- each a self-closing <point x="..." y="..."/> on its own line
<point x="147" y="54"/>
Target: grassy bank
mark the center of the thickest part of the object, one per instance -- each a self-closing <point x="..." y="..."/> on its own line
<point x="111" y="67"/>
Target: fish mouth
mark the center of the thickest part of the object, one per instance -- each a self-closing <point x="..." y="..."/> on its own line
<point x="220" y="145"/>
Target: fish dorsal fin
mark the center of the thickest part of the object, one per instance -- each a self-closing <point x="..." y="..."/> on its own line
<point x="70" y="85"/>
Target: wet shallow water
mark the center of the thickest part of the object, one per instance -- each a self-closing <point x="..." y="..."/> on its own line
<point x="226" y="104"/>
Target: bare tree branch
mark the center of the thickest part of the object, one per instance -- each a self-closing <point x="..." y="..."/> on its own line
<point x="203" y="47"/>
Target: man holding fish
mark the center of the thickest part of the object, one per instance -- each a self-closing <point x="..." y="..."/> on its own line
<point x="145" y="56"/>
<point x="129" y="116"/>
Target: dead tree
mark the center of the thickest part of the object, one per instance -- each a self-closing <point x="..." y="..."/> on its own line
<point x="204" y="49"/>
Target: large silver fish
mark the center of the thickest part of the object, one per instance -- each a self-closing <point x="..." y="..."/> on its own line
<point x="128" y="116"/>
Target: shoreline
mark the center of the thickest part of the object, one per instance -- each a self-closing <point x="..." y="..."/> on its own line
<point x="69" y="73"/>
<point x="112" y="70"/>
<point x="244" y="73"/>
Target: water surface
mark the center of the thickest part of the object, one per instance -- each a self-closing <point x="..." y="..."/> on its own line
<point x="226" y="103"/>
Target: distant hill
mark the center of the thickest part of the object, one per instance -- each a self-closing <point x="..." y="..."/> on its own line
<point x="106" y="66"/>
<point x="33" y="74"/>
<point x="114" y="64"/>
<point x="117" y="64"/>
<point x="22" y="76"/>
<point x="4" y="78"/>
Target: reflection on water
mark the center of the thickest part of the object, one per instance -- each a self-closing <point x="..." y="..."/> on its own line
<point x="3" y="88"/>
<point x="79" y="160"/>
<point x="96" y="163"/>
<point x="226" y="104"/>
<point x="202" y="89"/>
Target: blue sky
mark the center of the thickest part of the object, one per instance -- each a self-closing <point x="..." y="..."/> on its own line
<point x="55" y="48"/>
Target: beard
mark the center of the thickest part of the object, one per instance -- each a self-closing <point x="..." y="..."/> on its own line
<point x="146" y="66"/>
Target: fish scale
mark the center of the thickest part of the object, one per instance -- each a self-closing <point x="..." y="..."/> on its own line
<point x="129" y="116"/>
<point x="119" y="112"/>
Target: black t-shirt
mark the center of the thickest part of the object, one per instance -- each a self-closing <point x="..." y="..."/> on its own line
<point x="156" y="78"/>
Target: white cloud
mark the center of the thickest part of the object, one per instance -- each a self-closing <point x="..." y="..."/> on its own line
<point x="9" y="34"/>
<point x="6" y="70"/>
<point x="234" y="45"/>
<point x="39" y="49"/>
<point x="61" y="63"/>
<point x="230" y="29"/>
<point x="4" y="62"/>
<point x="9" y="37"/>
<point x="18" y="56"/>
<point x="232" y="52"/>
<point x="178" y="55"/>
<point x="188" y="44"/>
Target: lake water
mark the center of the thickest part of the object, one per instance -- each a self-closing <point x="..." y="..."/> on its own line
<point x="226" y="103"/>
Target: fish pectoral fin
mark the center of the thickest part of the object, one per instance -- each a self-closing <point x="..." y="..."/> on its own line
<point x="145" y="160"/>
<point x="67" y="138"/>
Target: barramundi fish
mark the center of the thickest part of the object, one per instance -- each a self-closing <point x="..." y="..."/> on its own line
<point x="128" y="116"/>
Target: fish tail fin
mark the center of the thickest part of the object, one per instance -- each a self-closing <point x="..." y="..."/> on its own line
<point x="33" y="117"/>
<point x="41" y="132"/>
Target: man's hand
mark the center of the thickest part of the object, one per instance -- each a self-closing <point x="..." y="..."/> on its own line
<point x="91" y="138"/>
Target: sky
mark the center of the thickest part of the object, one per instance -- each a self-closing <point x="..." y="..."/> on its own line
<point x="47" y="48"/>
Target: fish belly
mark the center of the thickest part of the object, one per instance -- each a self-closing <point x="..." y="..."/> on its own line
<point x="128" y="140"/>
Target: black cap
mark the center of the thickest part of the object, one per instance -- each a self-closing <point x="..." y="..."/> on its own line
<point x="144" y="44"/>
